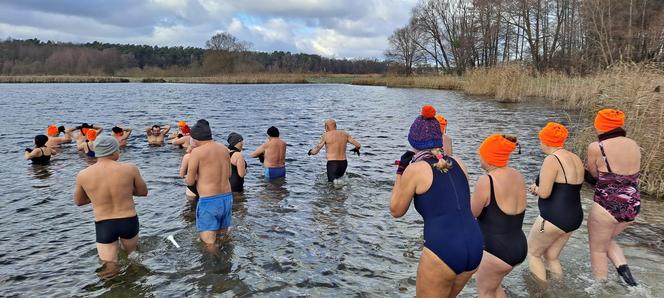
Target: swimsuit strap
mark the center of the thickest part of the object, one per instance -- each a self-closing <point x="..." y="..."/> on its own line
<point x="493" y="194"/>
<point x="601" y="148"/>
<point x="561" y="166"/>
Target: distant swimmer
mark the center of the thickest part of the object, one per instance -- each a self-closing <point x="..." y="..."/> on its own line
<point x="335" y="146"/>
<point x="87" y="145"/>
<point x="41" y="154"/>
<point x="238" y="165"/>
<point x="274" y="150"/>
<point x="182" y="138"/>
<point x="54" y="139"/>
<point x="82" y="130"/>
<point x="447" y="141"/>
<point x="207" y="176"/>
<point x="110" y="186"/>
<point x="156" y="134"/>
<point x="121" y="135"/>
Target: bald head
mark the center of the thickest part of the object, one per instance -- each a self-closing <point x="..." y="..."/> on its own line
<point x="330" y="125"/>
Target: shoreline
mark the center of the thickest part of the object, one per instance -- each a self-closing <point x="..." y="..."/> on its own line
<point x="261" y="78"/>
<point x="633" y="89"/>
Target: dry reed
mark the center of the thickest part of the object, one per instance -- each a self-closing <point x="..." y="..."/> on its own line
<point x="630" y="88"/>
<point x="259" y="78"/>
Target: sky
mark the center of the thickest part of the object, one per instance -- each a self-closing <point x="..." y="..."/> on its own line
<point x="332" y="28"/>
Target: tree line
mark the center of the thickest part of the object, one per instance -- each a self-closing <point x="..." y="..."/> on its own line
<point x="224" y="54"/>
<point x="574" y="36"/>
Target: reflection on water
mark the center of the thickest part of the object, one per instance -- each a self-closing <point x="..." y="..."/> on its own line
<point x="292" y="237"/>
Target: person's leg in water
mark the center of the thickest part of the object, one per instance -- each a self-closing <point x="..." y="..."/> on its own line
<point x="434" y="277"/>
<point x="552" y="255"/>
<point x="538" y="243"/>
<point x="490" y="275"/>
<point x="601" y="226"/>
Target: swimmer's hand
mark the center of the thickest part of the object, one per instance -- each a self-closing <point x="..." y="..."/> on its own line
<point x="533" y="189"/>
<point x="261" y="158"/>
<point x="356" y="150"/>
<point x="28" y="150"/>
<point x="309" y="153"/>
<point x="405" y="160"/>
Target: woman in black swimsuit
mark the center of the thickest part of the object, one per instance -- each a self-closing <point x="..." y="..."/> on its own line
<point x="559" y="190"/>
<point x="238" y="165"/>
<point x="41" y="154"/>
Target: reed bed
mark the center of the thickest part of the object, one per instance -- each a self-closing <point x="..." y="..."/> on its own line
<point x="262" y="78"/>
<point x="631" y="88"/>
<point x="61" y="79"/>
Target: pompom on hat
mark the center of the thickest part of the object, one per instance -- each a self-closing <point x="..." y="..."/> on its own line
<point x="425" y="131"/>
<point x="553" y="134"/>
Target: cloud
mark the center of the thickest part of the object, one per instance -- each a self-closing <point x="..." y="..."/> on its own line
<point x="341" y="28"/>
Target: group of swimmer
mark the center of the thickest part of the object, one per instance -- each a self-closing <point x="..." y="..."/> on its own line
<point x="212" y="172"/>
<point x="481" y="232"/>
<point x="465" y="233"/>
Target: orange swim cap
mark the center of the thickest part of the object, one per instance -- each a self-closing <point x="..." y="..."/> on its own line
<point x="553" y="134"/>
<point x="91" y="135"/>
<point x="496" y="150"/>
<point x="84" y="130"/>
<point x="443" y="123"/>
<point x="609" y="119"/>
<point x="52" y="130"/>
<point x="182" y="123"/>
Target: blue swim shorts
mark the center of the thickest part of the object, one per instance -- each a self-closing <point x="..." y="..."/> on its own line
<point x="215" y="212"/>
<point x="272" y="173"/>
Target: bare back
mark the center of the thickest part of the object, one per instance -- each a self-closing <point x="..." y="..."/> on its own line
<point x="275" y="153"/>
<point x="110" y="187"/>
<point x="510" y="189"/>
<point x="210" y="166"/>
<point x="623" y="155"/>
<point x="335" y="144"/>
<point x="573" y="168"/>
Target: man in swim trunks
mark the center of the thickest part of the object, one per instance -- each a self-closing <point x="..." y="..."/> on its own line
<point x="156" y="134"/>
<point x="54" y="138"/>
<point x="121" y="135"/>
<point x="274" y="150"/>
<point x="335" y="145"/>
<point x="110" y="186"/>
<point x="207" y="176"/>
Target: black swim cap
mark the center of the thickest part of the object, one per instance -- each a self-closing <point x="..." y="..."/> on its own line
<point x="273" y="132"/>
<point x="156" y="126"/>
<point x="116" y="129"/>
<point x="40" y="140"/>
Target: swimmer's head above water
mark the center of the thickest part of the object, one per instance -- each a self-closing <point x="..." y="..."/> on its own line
<point x="273" y="132"/>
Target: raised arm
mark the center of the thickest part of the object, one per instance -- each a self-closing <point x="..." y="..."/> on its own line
<point x="165" y="130"/>
<point x="140" y="188"/>
<point x="80" y="196"/>
<point x="30" y="154"/>
<point x="318" y="146"/>
<point x="126" y="133"/>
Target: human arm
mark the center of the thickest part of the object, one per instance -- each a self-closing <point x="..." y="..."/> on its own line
<point x="80" y="196"/>
<point x="318" y="146"/>
<point x="447" y="145"/>
<point x="179" y="141"/>
<point x="165" y="130"/>
<point x="241" y="165"/>
<point x="183" y="165"/>
<point x="260" y="150"/>
<point x="30" y="153"/>
<point x="354" y="142"/>
<point x="126" y="133"/>
<point x="480" y="197"/>
<point x="140" y="188"/>
<point x="593" y="154"/>
<point x="547" y="177"/>
<point x="192" y="171"/>
<point x="403" y="192"/>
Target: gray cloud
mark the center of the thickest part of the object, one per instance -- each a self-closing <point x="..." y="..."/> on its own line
<point x="342" y="28"/>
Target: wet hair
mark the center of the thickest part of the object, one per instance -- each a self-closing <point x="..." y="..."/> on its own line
<point x="156" y="126"/>
<point x="40" y="140"/>
<point x="116" y="129"/>
<point x="82" y="126"/>
<point x="273" y="132"/>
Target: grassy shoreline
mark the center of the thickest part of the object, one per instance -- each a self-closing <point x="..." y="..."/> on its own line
<point x="631" y="88"/>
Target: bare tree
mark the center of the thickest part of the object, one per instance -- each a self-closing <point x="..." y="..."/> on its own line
<point x="404" y="49"/>
<point x="225" y="41"/>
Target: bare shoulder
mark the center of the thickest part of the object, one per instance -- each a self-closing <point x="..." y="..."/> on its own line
<point x="417" y="168"/>
<point x="593" y="147"/>
<point x="516" y="175"/>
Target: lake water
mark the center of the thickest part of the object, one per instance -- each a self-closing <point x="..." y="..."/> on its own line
<point x="301" y="237"/>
